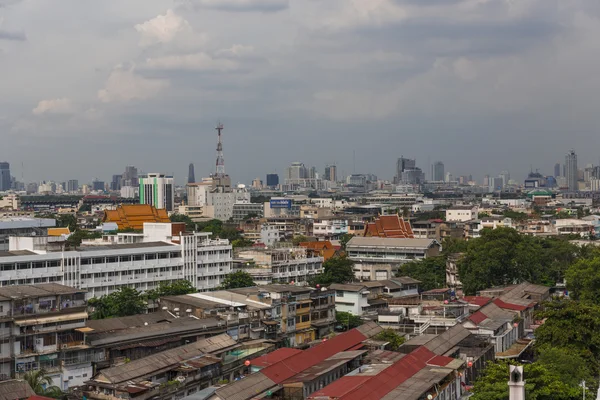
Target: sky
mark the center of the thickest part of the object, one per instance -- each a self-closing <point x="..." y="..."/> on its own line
<point x="88" y="87"/>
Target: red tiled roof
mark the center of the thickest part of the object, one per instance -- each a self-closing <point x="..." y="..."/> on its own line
<point x="478" y="317"/>
<point x="477" y="300"/>
<point x="297" y="363"/>
<point x="508" y="306"/>
<point x="377" y="386"/>
<point x="274" y="357"/>
<point x="390" y="226"/>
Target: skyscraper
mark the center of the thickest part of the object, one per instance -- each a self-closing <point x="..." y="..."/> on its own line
<point x="571" y="172"/>
<point x="115" y="183"/>
<point x="272" y="180"/>
<point x="72" y="185"/>
<point x="505" y="176"/>
<point x="297" y="171"/>
<point x="402" y="165"/>
<point x="438" y="171"/>
<point x="331" y="173"/>
<point x="557" y="169"/>
<point x="157" y="190"/>
<point x="191" y="175"/>
<point x="4" y="176"/>
<point x="130" y="176"/>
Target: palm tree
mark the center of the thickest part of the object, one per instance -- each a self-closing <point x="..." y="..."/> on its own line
<point x="42" y="384"/>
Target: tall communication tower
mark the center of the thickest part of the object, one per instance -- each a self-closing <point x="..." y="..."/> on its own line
<point x="220" y="171"/>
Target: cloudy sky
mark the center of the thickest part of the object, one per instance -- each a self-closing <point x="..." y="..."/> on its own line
<point x="90" y="86"/>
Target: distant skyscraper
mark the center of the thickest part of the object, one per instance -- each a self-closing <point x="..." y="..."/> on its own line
<point x="191" y="175"/>
<point x="437" y="171"/>
<point x="72" y="185"/>
<point x="130" y="176"/>
<point x="115" y="183"/>
<point x="571" y="172"/>
<point x="297" y="171"/>
<point x="97" y="185"/>
<point x="557" y="169"/>
<point x="157" y="190"/>
<point x="331" y="173"/>
<point x="505" y="176"/>
<point x="4" y="176"/>
<point x="402" y="165"/>
<point x="272" y="180"/>
<point x="313" y="173"/>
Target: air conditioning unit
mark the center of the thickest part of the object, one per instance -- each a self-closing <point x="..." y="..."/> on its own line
<point x="65" y="346"/>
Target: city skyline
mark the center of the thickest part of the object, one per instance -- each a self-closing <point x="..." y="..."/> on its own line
<point x="288" y="75"/>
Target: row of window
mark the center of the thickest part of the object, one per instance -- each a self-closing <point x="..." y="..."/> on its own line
<point x="29" y="265"/>
<point x="30" y="281"/>
<point x="130" y="258"/>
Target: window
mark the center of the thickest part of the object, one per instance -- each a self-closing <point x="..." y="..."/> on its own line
<point x="339" y="293"/>
<point x="305" y="318"/>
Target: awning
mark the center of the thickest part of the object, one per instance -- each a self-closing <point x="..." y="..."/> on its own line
<point x="85" y="330"/>
<point x="50" y="319"/>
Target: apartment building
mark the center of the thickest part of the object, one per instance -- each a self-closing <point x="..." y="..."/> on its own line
<point x="40" y="326"/>
<point x="331" y="228"/>
<point x="366" y="251"/>
<point x="142" y="261"/>
<point x="280" y="265"/>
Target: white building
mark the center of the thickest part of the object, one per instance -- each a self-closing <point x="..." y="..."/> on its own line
<point x="282" y="265"/>
<point x="9" y="202"/>
<point x="330" y="228"/>
<point x="140" y="261"/>
<point x="270" y="234"/>
<point x="158" y="190"/>
<point x="462" y="213"/>
<point x="353" y="299"/>
<point x="217" y="201"/>
<point x="129" y="192"/>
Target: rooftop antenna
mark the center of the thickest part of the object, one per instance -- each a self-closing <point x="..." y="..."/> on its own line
<point x="354" y="162"/>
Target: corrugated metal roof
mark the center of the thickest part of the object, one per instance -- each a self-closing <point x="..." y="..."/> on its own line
<point x="417" y="386"/>
<point x="146" y="366"/>
<point x="358" y="241"/>
<point x="15" y="389"/>
<point x="270" y="376"/>
<point x="477" y="300"/>
<point x="275" y="357"/>
<point x="448" y="340"/>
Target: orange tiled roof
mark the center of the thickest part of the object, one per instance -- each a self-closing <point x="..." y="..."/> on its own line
<point x="58" y="231"/>
<point x="389" y="226"/>
<point x="133" y="216"/>
<point x="325" y="248"/>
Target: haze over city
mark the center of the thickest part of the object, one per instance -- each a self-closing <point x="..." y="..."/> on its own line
<point x="90" y="87"/>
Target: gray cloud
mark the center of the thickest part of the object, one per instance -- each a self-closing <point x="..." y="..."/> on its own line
<point x="239" y="5"/>
<point x="16" y="36"/>
<point x="482" y="86"/>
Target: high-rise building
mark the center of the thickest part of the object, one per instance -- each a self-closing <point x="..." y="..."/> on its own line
<point x="331" y="173"/>
<point x="115" y="183"/>
<point x="505" y="176"/>
<point x="97" y="185"/>
<point x="557" y="169"/>
<point x="313" y="173"/>
<point x="5" y="183"/>
<point x="437" y="171"/>
<point x="272" y="180"/>
<point x="296" y="171"/>
<point x="191" y="175"/>
<point x="403" y="164"/>
<point x="157" y="190"/>
<point x="72" y="185"/>
<point x="130" y="176"/>
<point x="571" y="172"/>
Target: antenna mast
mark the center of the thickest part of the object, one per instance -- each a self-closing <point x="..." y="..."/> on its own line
<point x="220" y="170"/>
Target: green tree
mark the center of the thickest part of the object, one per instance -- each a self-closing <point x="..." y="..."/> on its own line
<point x="430" y="271"/>
<point x="121" y="303"/>
<point x="241" y="243"/>
<point x="42" y="384"/>
<point x="574" y="326"/>
<point x="189" y="224"/>
<point x="570" y="366"/>
<point x="344" y="239"/>
<point x="347" y="320"/>
<point x="583" y="280"/>
<point x="230" y="234"/>
<point x="451" y="245"/>
<point x="239" y="279"/>
<point x="296" y="240"/>
<point x="335" y="270"/>
<point x="74" y="240"/>
<point x="389" y="335"/>
<point x="541" y="383"/>
<point x="67" y="221"/>
<point x="176" y="288"/>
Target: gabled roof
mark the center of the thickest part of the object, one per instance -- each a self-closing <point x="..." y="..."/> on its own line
<point x="275" y="357"/>
<point x="392" y="226"/>
<point x="273" y="375"/>
<point x="133" y="216"/>
<point x="477" y="300"/>
<point x="58" y="231"/>
<point x="15" y="389"/>
<point x="348" y="287"/>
